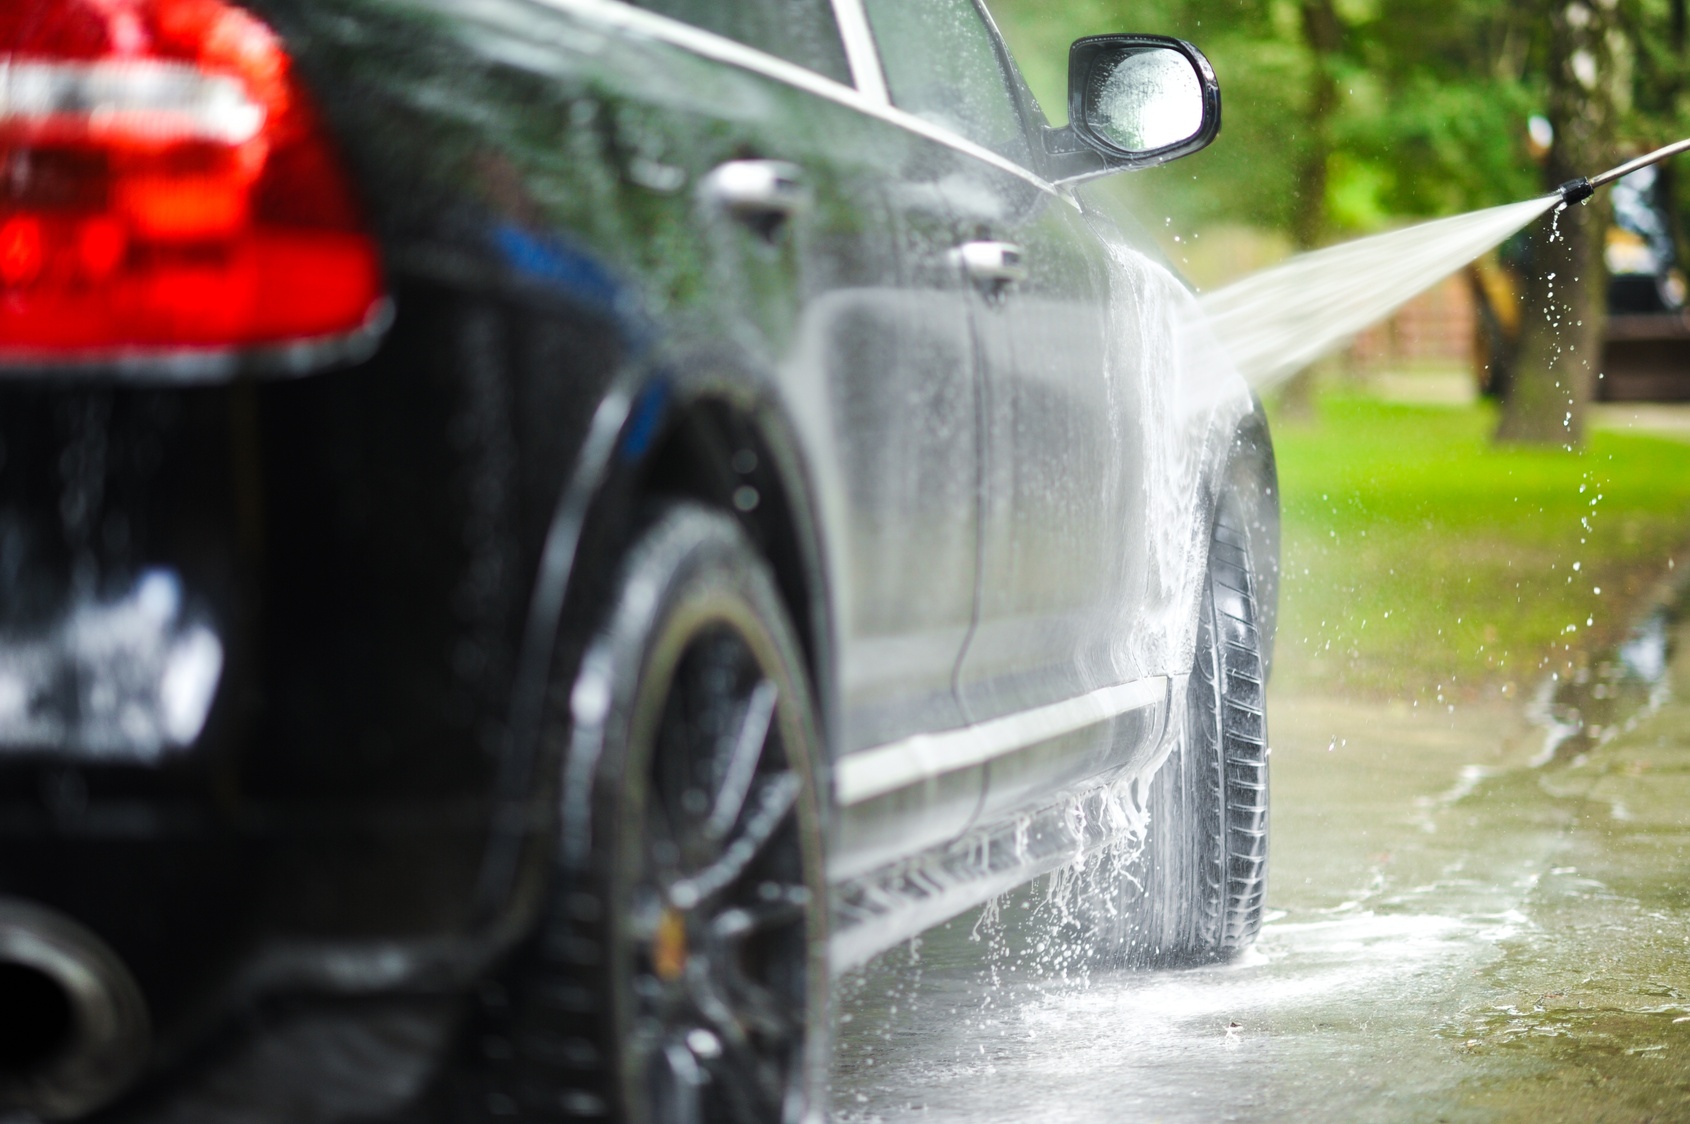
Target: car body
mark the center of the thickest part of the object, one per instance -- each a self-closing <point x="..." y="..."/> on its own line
<point x="286" y="629"/>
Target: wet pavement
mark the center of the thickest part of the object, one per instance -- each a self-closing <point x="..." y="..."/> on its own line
<point x="1461" y="927"/>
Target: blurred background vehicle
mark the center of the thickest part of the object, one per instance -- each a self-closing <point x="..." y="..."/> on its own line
<point x="1646" y="355"/>
<point x="1641" y="252"/>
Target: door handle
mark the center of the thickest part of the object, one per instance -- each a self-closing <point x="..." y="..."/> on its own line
<point x="993" y="266"/>
<point x="763" y="194"/>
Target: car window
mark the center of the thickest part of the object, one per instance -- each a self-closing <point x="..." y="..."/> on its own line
<point x="800" y="31"/>
<point x="941" y="64"/>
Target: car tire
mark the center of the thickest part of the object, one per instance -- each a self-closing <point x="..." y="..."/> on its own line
<point x="1202" y="872"/>
<point x="680" y="971"/>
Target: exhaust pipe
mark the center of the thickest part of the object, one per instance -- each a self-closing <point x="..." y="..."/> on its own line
<point x="74" y="1029"/>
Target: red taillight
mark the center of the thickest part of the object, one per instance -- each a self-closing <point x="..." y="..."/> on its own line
<point x="166" y="184"/>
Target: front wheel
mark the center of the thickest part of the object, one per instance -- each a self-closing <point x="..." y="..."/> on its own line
<point x="1203" y="869"/>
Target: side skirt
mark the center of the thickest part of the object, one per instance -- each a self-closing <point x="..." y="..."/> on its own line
<point x="877" y="910"/>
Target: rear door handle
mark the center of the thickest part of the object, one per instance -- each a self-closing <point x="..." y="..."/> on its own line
<point x="991" y="265"/>
<point x="761" y="193"/>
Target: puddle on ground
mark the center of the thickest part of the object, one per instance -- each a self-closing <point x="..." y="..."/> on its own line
<point x="1596" y="703"/>
<point x="1459" y="929"/>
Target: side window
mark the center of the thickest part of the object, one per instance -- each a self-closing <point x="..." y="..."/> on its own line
<point x="800" y="31"/>
<point x="941" y="64"/>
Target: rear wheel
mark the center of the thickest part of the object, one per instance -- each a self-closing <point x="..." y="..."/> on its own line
<point x="681" y="974"/>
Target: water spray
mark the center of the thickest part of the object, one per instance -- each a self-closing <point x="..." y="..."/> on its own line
<point x="1279" y="320"/>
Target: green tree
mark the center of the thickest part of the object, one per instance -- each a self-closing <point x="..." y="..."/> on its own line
<point x="1342" y="117"/>
<point x="1564" y="301"/>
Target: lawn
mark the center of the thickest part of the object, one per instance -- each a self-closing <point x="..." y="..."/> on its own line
<point x="1423" y="563"/>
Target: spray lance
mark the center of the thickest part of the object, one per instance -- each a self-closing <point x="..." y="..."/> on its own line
<point x="1277" y="321"/>
<point x="1580" y="189"/>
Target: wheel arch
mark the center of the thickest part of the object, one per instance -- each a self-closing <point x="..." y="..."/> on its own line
<point x="654" y="435"/>
<point x="740" y="454"/>
<point x="1250" y="472"/>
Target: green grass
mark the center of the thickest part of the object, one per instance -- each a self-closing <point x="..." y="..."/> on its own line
<point x="1422" y="561"/>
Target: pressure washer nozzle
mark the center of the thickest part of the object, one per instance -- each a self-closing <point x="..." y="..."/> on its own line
<point x="1576" y="191"/>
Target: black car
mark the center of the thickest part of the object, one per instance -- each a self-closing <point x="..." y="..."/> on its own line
<point x="534" y="532"/>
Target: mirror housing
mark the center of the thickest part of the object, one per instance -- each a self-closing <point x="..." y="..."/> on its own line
<point x="1134" y="101"/>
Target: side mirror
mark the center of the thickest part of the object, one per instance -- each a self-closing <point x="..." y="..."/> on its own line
<point x="1134" y="101"/>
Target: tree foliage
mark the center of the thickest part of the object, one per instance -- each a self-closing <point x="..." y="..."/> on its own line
<point x="1428" y="113"/>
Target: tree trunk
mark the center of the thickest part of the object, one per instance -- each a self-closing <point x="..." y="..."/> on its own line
<point x="1494" y="333"/>
<point x="1324" y="35"/>
<point x="1565" y="299"/>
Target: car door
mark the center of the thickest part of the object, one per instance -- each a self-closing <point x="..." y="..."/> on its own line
<point x="815" y="272"/>
<point x="1062" y="562"/>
